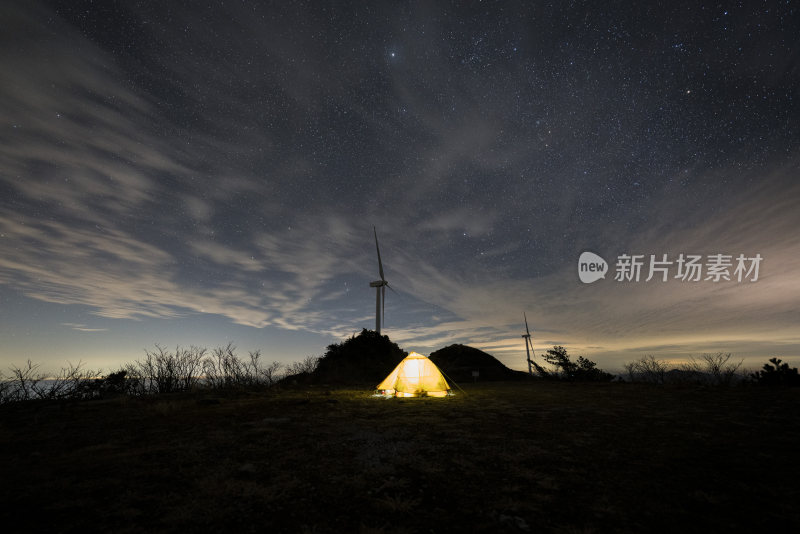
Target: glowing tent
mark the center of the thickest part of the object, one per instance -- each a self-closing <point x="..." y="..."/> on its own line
<point x="415" y="376"/>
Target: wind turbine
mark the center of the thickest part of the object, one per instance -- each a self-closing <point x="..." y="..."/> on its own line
<point x="528" y="344"/>
<point x="380" y="288"/>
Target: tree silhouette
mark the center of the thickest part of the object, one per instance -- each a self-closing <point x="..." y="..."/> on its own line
<point x="583" y="369"/>
<point x="365" y="358"/>
<point x="777" y="374"/>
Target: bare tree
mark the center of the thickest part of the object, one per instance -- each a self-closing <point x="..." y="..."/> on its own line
<point x="162" y="371"/>
<point x="258" y="375"/>
<point x="306" y="365"/>
<point x="24" y="381"/>
<point x="647" y="369"/>
<point x="224" y="369"/>
<point x="722" y="372"/>
<point x="269" y="374"/>
<point x="136" y="381"/>
<point x="5" y="388"/>
<point x="28" y="383"/>
<point x="72" y="382"/>
<point x="712" y="369"/>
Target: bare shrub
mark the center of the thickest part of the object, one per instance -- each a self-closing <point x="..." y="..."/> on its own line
<point x="28" y="383"/>
<point x="718" y="367"/>
<point x="162" y="371"/>
<point x="262" y="375"/>
<point x="712" y="369"/>
<point x="270" y="373"/>
<point x="5" y="388"/>
<point x="630" y="371"/>
<point x="136" y="381"/>
<point x="24" y="381"/>
<point x="306" y="365"/>
<point x="647" y="369"/>
<point x="224" y="369"/>
<point x="691" y="372"/>
<point x="117" y="383"/>
<point x="72" y="382"/>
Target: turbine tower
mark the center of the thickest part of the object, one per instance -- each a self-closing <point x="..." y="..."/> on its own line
<point x="528" y="344"/>
<point x="380" y="288"/>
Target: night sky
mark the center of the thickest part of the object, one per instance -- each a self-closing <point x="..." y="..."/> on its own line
<point x="206" y="172"/>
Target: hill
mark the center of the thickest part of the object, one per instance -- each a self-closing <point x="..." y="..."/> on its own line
<point x="367" y="358"/>
<point x="364" y="359"/>
<point x="459" y="361"/>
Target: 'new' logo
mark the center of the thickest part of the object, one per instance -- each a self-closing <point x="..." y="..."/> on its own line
<point x="591" y="267"/>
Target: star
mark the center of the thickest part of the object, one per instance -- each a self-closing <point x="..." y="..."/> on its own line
<point x="235" y="171"/>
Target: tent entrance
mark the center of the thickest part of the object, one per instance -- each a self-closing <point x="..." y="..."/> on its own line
<point x="415" y="376"/>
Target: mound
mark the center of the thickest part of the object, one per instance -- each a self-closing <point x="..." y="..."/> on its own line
<point x="369" y="357"/>
<point x="363" y="359"/>
<point x="459" y="361"/>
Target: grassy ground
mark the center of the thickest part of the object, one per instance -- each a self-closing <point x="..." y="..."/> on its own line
<point x="504" y="457"/>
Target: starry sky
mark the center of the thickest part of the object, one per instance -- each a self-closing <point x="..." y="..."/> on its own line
<point x="205" y="172"/>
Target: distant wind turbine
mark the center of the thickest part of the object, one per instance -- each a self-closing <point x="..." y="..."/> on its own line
<point x="380" y="289"/>
<point x="528" y="344"/>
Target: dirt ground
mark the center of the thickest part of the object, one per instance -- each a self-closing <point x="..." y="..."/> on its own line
<point x="502" y="457"/>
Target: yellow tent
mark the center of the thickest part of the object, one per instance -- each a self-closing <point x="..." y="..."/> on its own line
<point x="415" y="376"/>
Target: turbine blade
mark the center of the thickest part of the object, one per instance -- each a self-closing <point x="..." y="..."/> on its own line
<point x="390" y="287"/>
<point x="526" y="323"/>
<point x="383" y="305"/>
<point x="380" y="265"/>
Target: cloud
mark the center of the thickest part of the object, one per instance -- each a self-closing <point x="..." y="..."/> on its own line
<point x="123" y="277"/>
<point x="139" y="205"/>
<point x="104" y="210"/>
<point x="624" y="317"/>
<point x="83" y="327"/>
